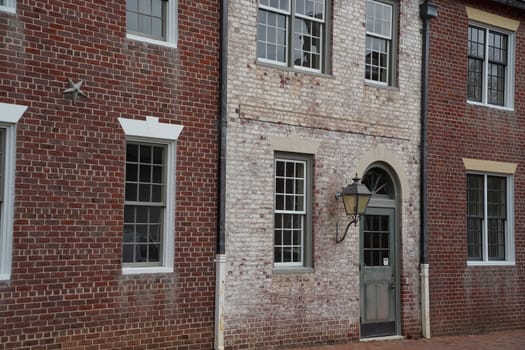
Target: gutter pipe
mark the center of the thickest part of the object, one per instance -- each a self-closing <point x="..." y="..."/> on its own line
<point x="220" y="257"/>
<point x="427" y="11"/>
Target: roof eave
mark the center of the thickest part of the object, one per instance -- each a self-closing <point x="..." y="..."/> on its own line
<point x="520" y="4"/>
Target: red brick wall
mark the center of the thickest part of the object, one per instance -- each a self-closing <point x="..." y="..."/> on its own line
<point x="470" y="299"/>
<point x="67" y="290"/>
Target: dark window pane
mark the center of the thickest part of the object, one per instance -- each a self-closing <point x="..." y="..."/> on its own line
<point x="129" y="234"/>
<point x="131" y="192"/>
<point x="145" y="173"/>
<point x="144" y="193"/>
<point x="278" y="255"/>
<point x="131" y="172"/>
<point x="158" y="155"/>
<point x="141" y="252"/>
<point x="156" y="193"/>
<point x="154" y="253"/>
<point x="155" y="214"/>
<point x="127" y="253"/>
<point x="278" y="240"/>
<point x="129" y="214"/>
<point x="142" y="214"/>
<point x="287" y="238"/>
<point x="145" y="154"/>
<point x="157" y="174"/>
<point x="132" y="152"/>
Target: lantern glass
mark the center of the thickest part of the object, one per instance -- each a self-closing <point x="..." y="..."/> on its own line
<point x="349" y="201"/>
<point x="363" y="203"/>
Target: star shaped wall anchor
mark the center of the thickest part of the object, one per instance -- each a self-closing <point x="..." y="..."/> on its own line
<point x="74" y="90"/>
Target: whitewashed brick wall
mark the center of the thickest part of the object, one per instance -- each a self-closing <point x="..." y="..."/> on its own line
<point x="349" y="119"/>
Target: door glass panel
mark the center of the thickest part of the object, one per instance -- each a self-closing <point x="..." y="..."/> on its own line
<point x="376" y="240"/>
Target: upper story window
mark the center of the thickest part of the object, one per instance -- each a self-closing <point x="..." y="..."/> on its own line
<point x="293" y="33"/>
<point x="153" y="21"/>
<point x="8" y="5"/>
<point x="490" y="66"/>
<point x="489" y="218"/>
<point x="380" y="43"/>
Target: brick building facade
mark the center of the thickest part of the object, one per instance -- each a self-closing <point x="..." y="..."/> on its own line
<point x="317" y="94"/>
<point x="138" y="151"/>
<point x="476" y="177"/>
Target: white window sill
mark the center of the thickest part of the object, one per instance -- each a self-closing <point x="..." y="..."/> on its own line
<point x="146" y="270"/>
<point x="503" y="108"/>
<point x="491" y="263"/>
<point x="8" y="9"/>
<point x="151" y="41"/>
<point x="378" y="84"/>
<point x="5" y="277"/>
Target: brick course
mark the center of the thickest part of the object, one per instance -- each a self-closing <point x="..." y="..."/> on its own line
<point x="67" y="290"/>
<point x="470" y="299"/>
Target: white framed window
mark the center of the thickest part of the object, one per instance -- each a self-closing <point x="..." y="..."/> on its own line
<point x="490" y="219"/>
<point x="490" y="66"/>
<point x="380" y="42"/>
<point x="8" y="6"/>
<point x="303" y="23"/>
<point x="149" y="204"/>
<point x="9" y="116"/>
<point x="152" y="21"/>
<point x="292" y="210"/>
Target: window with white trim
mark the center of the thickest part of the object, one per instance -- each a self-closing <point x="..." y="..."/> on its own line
<point x="9" y="116"/>
<point x="301" y="23"/>
<point x="490" y="66"/>
<point x="145" y="203"/>
<point x="8" y="5"/>
<point x="149" y="201"/>
<point x="153" y="21"/>
<point x="292" y="210"/>
<point x="490" y="218"/>
<point x="380" y="43"/>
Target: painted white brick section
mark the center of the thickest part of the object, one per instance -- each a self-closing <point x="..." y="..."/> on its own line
<point x="349" y="119"/>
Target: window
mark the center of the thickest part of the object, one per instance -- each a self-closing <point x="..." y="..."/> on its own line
<point x="8" y="5"/>
<point x="379" y="57"/>
<point x="145" y="203"/>
<point x="490" y="66"/>
<point x="292" y="213"/>
<point x="9" y="116"/>
<point x="149" y="199"/>
<point x="489" y="218"/>
<point x="301" y="23"/>
<point x="153" y="21"/>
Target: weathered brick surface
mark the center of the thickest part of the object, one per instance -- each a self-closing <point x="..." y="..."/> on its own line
<point x="67" y="290"/>
<point x="470" y="299"/>
<point x="348" y="119"/>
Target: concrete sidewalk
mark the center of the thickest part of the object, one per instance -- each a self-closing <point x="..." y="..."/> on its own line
<point x="505" y="340"/>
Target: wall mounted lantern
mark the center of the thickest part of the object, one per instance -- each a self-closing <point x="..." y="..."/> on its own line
<point x="355" y="200"/>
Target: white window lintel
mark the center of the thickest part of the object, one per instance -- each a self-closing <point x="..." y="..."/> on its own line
<point x="150" y="128"/>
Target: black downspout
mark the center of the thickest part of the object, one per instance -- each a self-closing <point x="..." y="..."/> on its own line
<point x="220" y="250"/>
<point x="427" y="11"/>
<point x="221" y="227"/>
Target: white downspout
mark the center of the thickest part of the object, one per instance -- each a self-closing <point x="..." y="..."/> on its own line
<point x="220" y="268"/>
<point x="425" y="301"/>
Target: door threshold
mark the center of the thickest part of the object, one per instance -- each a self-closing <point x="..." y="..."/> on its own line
<point x="389" y="337"/>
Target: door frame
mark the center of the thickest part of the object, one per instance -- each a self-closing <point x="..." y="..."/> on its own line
<point x="377" y="204"/>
